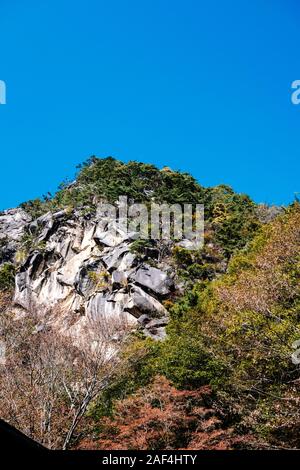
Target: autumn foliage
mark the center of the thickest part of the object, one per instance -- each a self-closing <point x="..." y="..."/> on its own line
<point x="161" y="417"/>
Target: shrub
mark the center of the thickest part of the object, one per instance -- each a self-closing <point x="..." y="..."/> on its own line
<point x="7" y="276"/>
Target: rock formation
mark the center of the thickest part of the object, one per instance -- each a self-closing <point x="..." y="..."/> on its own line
<point x="83" y="266"/>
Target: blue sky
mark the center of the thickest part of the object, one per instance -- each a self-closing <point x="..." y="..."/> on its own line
<point x="200" y="86"/>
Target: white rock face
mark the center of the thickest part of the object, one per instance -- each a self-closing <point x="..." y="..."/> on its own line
<point x="12" y="224"/>
<point x="85" y="270"/>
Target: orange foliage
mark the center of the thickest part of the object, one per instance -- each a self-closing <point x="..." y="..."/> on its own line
<point x="265" y="282"/>
<point x="162" y="417"/>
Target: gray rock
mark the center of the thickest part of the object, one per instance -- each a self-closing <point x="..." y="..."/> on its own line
<point x="158" y="334"/>
<point x="119" y="279"/>
<point x="140" y="302"/>
<point x="144" y="319"/>
<point x="83" y="281"/>
<point x="112" y="258"/>
<point x="113" y="234"/>
<point x="110" y="307"/>
<point x="127" y="262"/>
<point x="154" y="279"/>
<point x="13" y="223"/>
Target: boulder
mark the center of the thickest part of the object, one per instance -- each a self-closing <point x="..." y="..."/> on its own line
<point x="154" y="279"/>
<point x="140" y="302"/>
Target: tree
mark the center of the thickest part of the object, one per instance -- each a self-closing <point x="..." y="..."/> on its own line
<point x="49" y="380"/>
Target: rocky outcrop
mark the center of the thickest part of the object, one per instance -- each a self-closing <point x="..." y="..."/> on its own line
<point x="83" y="266"/>
<point x="12" y="225"/>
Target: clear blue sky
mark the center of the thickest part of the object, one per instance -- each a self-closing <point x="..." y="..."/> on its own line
<point x="201" y="86"/>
